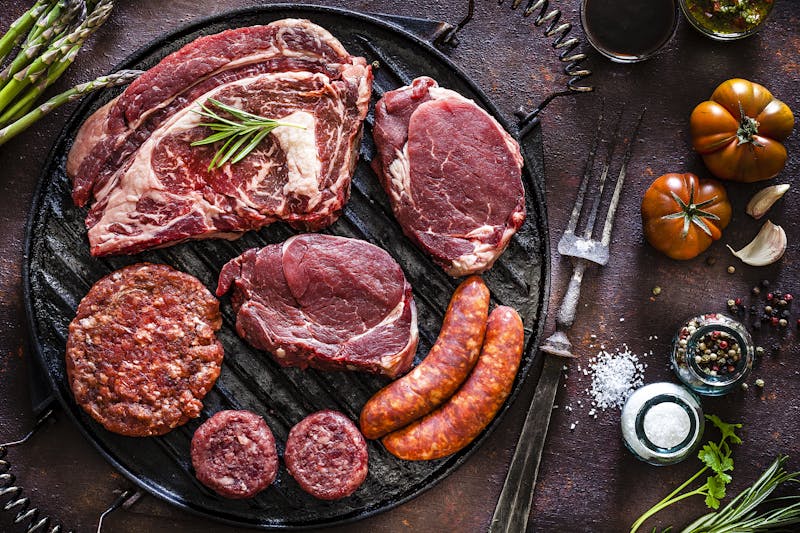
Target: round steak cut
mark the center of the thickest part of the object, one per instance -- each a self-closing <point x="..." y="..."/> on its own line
<point x="327" y="455"/>
<point x="452" y="173"/>
<point x="234" y="454"/>
<point x="326" y="302"/>
<point x="142" y="351"/>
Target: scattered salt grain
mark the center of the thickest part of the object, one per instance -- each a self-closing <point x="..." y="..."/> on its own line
<point x="614" y="377"/>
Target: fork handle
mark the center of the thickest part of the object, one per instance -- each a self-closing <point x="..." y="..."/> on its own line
<point x="569" y="305"/>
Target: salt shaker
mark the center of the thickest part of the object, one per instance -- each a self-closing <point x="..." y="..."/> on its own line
<point x="662" y="423"/>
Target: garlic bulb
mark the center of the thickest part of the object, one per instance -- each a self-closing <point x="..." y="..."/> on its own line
<point x="768" y="246"/>
<point x="761" y="201"/>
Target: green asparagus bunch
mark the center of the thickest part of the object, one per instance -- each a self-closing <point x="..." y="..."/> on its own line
<point x="47" y="39"/>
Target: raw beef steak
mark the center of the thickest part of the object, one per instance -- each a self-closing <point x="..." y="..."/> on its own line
<point x="452" y="173"/>
<point x="152" y="188"/>
<point x="326" y="302"/>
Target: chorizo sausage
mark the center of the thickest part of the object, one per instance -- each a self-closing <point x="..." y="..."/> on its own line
<point x="455" y="424"/>
<point x="442" y="371"/>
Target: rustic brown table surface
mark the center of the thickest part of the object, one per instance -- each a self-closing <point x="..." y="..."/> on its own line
<point x="588" y="481"/>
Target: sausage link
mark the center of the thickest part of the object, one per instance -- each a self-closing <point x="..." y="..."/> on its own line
<point x="442" y="371"/>
<point x="455" y="424"/>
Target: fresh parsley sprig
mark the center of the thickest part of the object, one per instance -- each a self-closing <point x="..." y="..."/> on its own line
<point x="241" y="133"/>
<point x="717" y="457"/>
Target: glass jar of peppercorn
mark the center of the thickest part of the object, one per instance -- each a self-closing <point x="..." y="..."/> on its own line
<point x="712" y="353"/>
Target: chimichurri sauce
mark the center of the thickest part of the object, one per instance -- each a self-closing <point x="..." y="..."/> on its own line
<point x="729" y="16"/>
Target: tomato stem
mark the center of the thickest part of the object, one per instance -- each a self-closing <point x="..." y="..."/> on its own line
<point x="748" y="129"/>
<point x="692" y="213"/>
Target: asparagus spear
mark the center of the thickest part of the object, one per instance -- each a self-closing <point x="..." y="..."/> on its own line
<point x="20" y="27"/>
<point x="59" y="53"/>
<point x="58" y="21"/>
<point x="112" y="80"/>
<point x="46" y="20"/>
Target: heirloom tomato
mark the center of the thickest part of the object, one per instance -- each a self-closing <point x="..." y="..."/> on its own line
<point x="682" y="214"/>
<point x="739" y="131"/>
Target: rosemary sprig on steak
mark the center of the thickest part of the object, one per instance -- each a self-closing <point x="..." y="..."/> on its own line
<point x="241" y="133"/>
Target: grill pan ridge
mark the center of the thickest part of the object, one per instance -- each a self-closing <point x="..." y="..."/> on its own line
<point x="58" y="271"/>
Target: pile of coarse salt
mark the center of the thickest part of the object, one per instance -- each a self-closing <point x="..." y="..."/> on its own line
<point x="614" y="377"/>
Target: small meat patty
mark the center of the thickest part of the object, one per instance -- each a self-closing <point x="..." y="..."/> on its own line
<point x="234" y="454"/>
<point x="142" y="351"/>
<point x="327" y="455"/>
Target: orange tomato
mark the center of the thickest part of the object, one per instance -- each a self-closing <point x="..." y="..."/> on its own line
<point x="682" y="214"/>
<point x="739" y="131"/>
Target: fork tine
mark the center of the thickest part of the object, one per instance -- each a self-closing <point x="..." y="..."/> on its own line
<point x="592" y="218"/>
<point x="612" y="208"/>
<point x="587" y="174"/>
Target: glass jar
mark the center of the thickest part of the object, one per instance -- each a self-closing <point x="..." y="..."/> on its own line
<point x="727" y="23"/>
<point x="712" y="354"/>
<point x="629" y="32"/>
<point x="662" y="423"/>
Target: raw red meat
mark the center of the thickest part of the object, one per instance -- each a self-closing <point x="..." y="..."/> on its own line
<point x="327" y="455"/>
<point x="326" y="302"/>
<point x="152" y="189"/>
<point x="452" y="173"/>
<point x="234" y="454"/>
<point x="142" y="351"/>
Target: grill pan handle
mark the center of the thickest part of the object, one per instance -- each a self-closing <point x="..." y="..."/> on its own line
<point x="435" y="32"/>
<point x="565" y="46"/>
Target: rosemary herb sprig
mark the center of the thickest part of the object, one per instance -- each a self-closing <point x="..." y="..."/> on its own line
<point x="241" y="134"/>
<point x="753" y="510"/>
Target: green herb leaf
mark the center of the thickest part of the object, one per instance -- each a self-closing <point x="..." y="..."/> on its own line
<point x="716" y="491"/>
<point x="242" y="133"/>
<point x="728" y="430"/>
<point x="710" y="455"/>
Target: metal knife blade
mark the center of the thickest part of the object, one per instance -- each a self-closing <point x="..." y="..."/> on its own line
<point x="514" y="505"/>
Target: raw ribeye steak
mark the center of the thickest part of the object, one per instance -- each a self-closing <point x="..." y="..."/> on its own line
<point x="152" y="188"/>
<point x="324" y="302"/>
<point x="452" y="173"/>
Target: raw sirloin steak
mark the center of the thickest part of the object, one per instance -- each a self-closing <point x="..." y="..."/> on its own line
<point x="326" y="302"/>
<point x="452" y="173"/>
<point x="152" y="189"/>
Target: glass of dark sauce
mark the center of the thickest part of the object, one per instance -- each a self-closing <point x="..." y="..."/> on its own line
<point x="628" y="31"/>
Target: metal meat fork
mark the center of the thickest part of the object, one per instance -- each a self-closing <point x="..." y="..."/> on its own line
<point x="513" y="507"/>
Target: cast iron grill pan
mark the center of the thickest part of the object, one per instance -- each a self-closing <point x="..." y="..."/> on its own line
<point x="59" y="271"/>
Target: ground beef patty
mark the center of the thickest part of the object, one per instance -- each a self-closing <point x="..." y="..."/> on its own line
<point x="327" y="455"/>
<point x="142" y="352"/>
<point x="234" y="454"/>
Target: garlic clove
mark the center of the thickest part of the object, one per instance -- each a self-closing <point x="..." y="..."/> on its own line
<point x="761" y="201"/>
<point x="767" y="247"/>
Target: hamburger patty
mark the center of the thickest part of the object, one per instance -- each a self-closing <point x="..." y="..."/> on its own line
<point x="234" y="454"/>
<point x="327" y="455"/>
<point x="142" y="351"/>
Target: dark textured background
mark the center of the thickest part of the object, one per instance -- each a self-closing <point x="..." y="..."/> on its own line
<point x="588" y="482"/>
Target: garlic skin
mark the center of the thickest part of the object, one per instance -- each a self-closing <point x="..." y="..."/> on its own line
<point x="761" y="201"/>
<point x="767" y="247"/>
